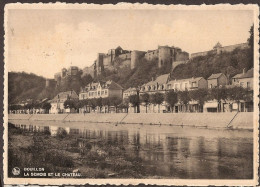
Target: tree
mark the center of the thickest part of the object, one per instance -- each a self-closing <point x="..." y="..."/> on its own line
<point x="46" y="106"/>
<point x="145" y="98"/>
<point x="237" y="94"/>
<point x="106" y="102"/>
<point x="199" y="95"/>
<point x="250" y="40"/>
<point x="115" y="101"/>
<point x="219" y="94"/>
<point x="157" y="99"/>
<point x="93" y="103"/>
<point x="134" y="100"/>
<point x="72" y="104"/>
<point x="171" y="98"/>
<point x="99" y="103"/>
<point x="184" y="98"/>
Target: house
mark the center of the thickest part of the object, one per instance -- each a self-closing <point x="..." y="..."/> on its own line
<point x="245" y="79"/>
<point x="130" y="91"/>
<point x="187" y="84"/>
<point x="57" y="103"/>
<point x="101" y="89"/>
<point x="157" y="85"/>
<point x="216" y="80"/>
<point x="108" y="89"/>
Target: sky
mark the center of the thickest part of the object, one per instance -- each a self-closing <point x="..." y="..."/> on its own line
<point x="42" y="41"/>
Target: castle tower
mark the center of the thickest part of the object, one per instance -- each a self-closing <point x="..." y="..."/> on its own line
<point x="165" y="55"/>
<point x="47" y="83"/>
<point x="135" y="56"/>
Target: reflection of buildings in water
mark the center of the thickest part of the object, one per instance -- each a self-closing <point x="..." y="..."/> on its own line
<point x="54" y="130"/>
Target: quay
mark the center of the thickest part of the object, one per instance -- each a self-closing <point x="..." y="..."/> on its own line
<point x="229" y="120"/>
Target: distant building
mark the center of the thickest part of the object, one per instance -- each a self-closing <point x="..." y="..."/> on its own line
<point x="57" y="103"/>
<point x="245" y="79"/>
<point x="187" y="84"/>
<point x="218" y="49"/>
<point x="72" y="72"/>
<point x="166" y="54"/>
<point x="216" y="80"/>
<point x="163" y="55"/>
<point x="130" y="91"/>
<point x="101" y="89"/>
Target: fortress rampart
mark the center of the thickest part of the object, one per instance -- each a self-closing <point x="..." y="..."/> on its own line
<point x="164" y="54"/>
<point x="218" y="49"/>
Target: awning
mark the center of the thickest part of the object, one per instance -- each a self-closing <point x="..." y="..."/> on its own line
<point x="211" y="105"/>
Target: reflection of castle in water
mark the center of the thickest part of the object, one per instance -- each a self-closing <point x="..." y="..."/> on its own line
<point x="176" y="152"/>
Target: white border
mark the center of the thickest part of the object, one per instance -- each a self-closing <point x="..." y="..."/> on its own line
<point x="193" y="182"/>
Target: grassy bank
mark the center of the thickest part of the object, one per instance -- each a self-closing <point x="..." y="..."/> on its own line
<point x="94" y="158"/>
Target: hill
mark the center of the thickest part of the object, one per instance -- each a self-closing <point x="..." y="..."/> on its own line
<point x="23" y="86"/>
<point x="229" y="63"/>
<point x="29" y="86"/>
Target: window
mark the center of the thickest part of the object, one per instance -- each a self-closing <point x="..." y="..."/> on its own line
<point x="105" y="92"/>
<point x="193" y="84"/>
<point x="102" y="92"/>
<point x="248" y="85"/>
<point x="98" y="93"/>
<point x="211" y="86"/>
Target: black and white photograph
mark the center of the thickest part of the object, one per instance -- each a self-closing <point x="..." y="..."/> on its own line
<point x="131" y="93"/>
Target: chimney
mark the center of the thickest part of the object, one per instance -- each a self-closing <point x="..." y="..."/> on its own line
<point x="244" y="71"/>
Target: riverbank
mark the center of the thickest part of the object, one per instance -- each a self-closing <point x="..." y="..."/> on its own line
<point x="66" y="153"/>
<point x="242" y="120"/>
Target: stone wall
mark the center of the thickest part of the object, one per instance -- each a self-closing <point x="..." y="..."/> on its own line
<point x="231" y="48"/>
<point x="125" y="56"/>
<point x="243" y="120"/>
<point x="182" y="56"/>
<point x="150" y="55"/>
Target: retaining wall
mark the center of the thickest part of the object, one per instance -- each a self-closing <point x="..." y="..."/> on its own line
<point x="208" y="120"/>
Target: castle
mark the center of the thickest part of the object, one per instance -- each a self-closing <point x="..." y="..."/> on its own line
<point x="73" y="73"/>
<point x="218" y="49"/>
<point x="163" y="54"/>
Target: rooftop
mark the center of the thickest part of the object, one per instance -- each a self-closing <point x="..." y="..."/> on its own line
<point x="162" y="79"/>
<point x="193" y="79"/>
<point x="215" y="76"/>
<point x="63" y="96"/>
<point x="248" y="74"/>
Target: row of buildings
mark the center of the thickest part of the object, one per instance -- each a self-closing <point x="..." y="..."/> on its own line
<point x="161" y="84"/>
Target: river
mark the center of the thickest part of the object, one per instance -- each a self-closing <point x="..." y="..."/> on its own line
<point x="169" y="151"/>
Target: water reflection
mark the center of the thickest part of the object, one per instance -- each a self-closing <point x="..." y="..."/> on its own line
<point x="168" y="151"/>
